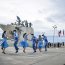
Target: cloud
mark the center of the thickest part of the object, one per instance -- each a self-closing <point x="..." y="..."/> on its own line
<point x="42" y="13"/>
<point x="5" y="20"/>
<point x="42" y="26"/>
<point x="59" y="6"/>
<point x="55" y="12"/>
<point x="56" y="18"/>
<point x="50" y="19"/>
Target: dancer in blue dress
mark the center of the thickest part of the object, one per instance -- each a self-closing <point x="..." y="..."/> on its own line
<point x="4" y="42"/>
<point x="40" y="43"/>
<point x="34" y="39"/>
<point x="16" y="40"/>
<point x="45" y="41"/>
<point x="24" y="43"/>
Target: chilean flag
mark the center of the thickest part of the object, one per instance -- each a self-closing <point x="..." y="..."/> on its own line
<point x="63" y="32"/>
<point x="59" y="33"/>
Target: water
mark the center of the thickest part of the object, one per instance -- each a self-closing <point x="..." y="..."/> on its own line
<point x="50" y="38"/>
<point x="56" y="39"/>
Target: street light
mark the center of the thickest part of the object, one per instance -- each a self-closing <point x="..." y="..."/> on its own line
<point x="54" y="27"/>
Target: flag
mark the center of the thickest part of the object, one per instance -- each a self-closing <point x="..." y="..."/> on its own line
<point x="63" y="32"/>
<point x="59" y="33"/>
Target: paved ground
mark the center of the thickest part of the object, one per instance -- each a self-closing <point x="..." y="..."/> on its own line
<point x="54" y="56"/>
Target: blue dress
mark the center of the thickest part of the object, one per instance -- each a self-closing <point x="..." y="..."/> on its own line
<point x="40" y="43"/>
<point x="24" y="43"/>
<point x="45" y="40"/>
<point x="4" y="42"/>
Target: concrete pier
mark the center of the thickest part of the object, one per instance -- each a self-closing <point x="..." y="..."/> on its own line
<point x="54" y="56"/>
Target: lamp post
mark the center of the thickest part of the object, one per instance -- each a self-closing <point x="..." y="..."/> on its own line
<point x="54" y="27"/>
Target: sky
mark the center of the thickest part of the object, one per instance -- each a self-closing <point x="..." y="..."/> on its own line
<point x="43" y="14"/>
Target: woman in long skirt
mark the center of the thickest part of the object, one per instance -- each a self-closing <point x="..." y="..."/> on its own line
<point x="4" y="42"/>
<point x="45" y="41"/>
<point x="24" y="43"/>
<point x="40" y="43"/>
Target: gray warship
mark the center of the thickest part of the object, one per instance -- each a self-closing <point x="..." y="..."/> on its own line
<point x="21" y="27"/>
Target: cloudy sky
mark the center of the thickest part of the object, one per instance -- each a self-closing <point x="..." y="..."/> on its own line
<point x="42" y="13"/>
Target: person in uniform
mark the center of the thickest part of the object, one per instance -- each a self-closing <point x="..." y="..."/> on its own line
<point x="16" y="40"/>
<point x="34" y="42"/>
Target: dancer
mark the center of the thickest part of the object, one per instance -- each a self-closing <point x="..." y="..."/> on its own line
<point x="4" y="42"/>
<point x="45" y="41"/>
<point x="24" y="43"/>
<point x="16" y="41"/>
<point x="34" y="42"/>
<point x="40" y="43"/>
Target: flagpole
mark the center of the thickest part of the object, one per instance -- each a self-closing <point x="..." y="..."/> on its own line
<point x="54" y="27"/>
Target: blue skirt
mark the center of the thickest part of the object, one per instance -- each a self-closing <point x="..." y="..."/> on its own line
<point x="40" y="44"/>
<point x="4" y="43"/>
<point x="24" y="44"/>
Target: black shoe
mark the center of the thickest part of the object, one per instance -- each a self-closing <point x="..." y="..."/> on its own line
<point x="24" y="51"/>
<point x="2" y="48"/>
<point x="45" y="50"/>
<point x="16" y="51"/>
<point x="34" y="51"/>
<point x="4" y="52"/>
